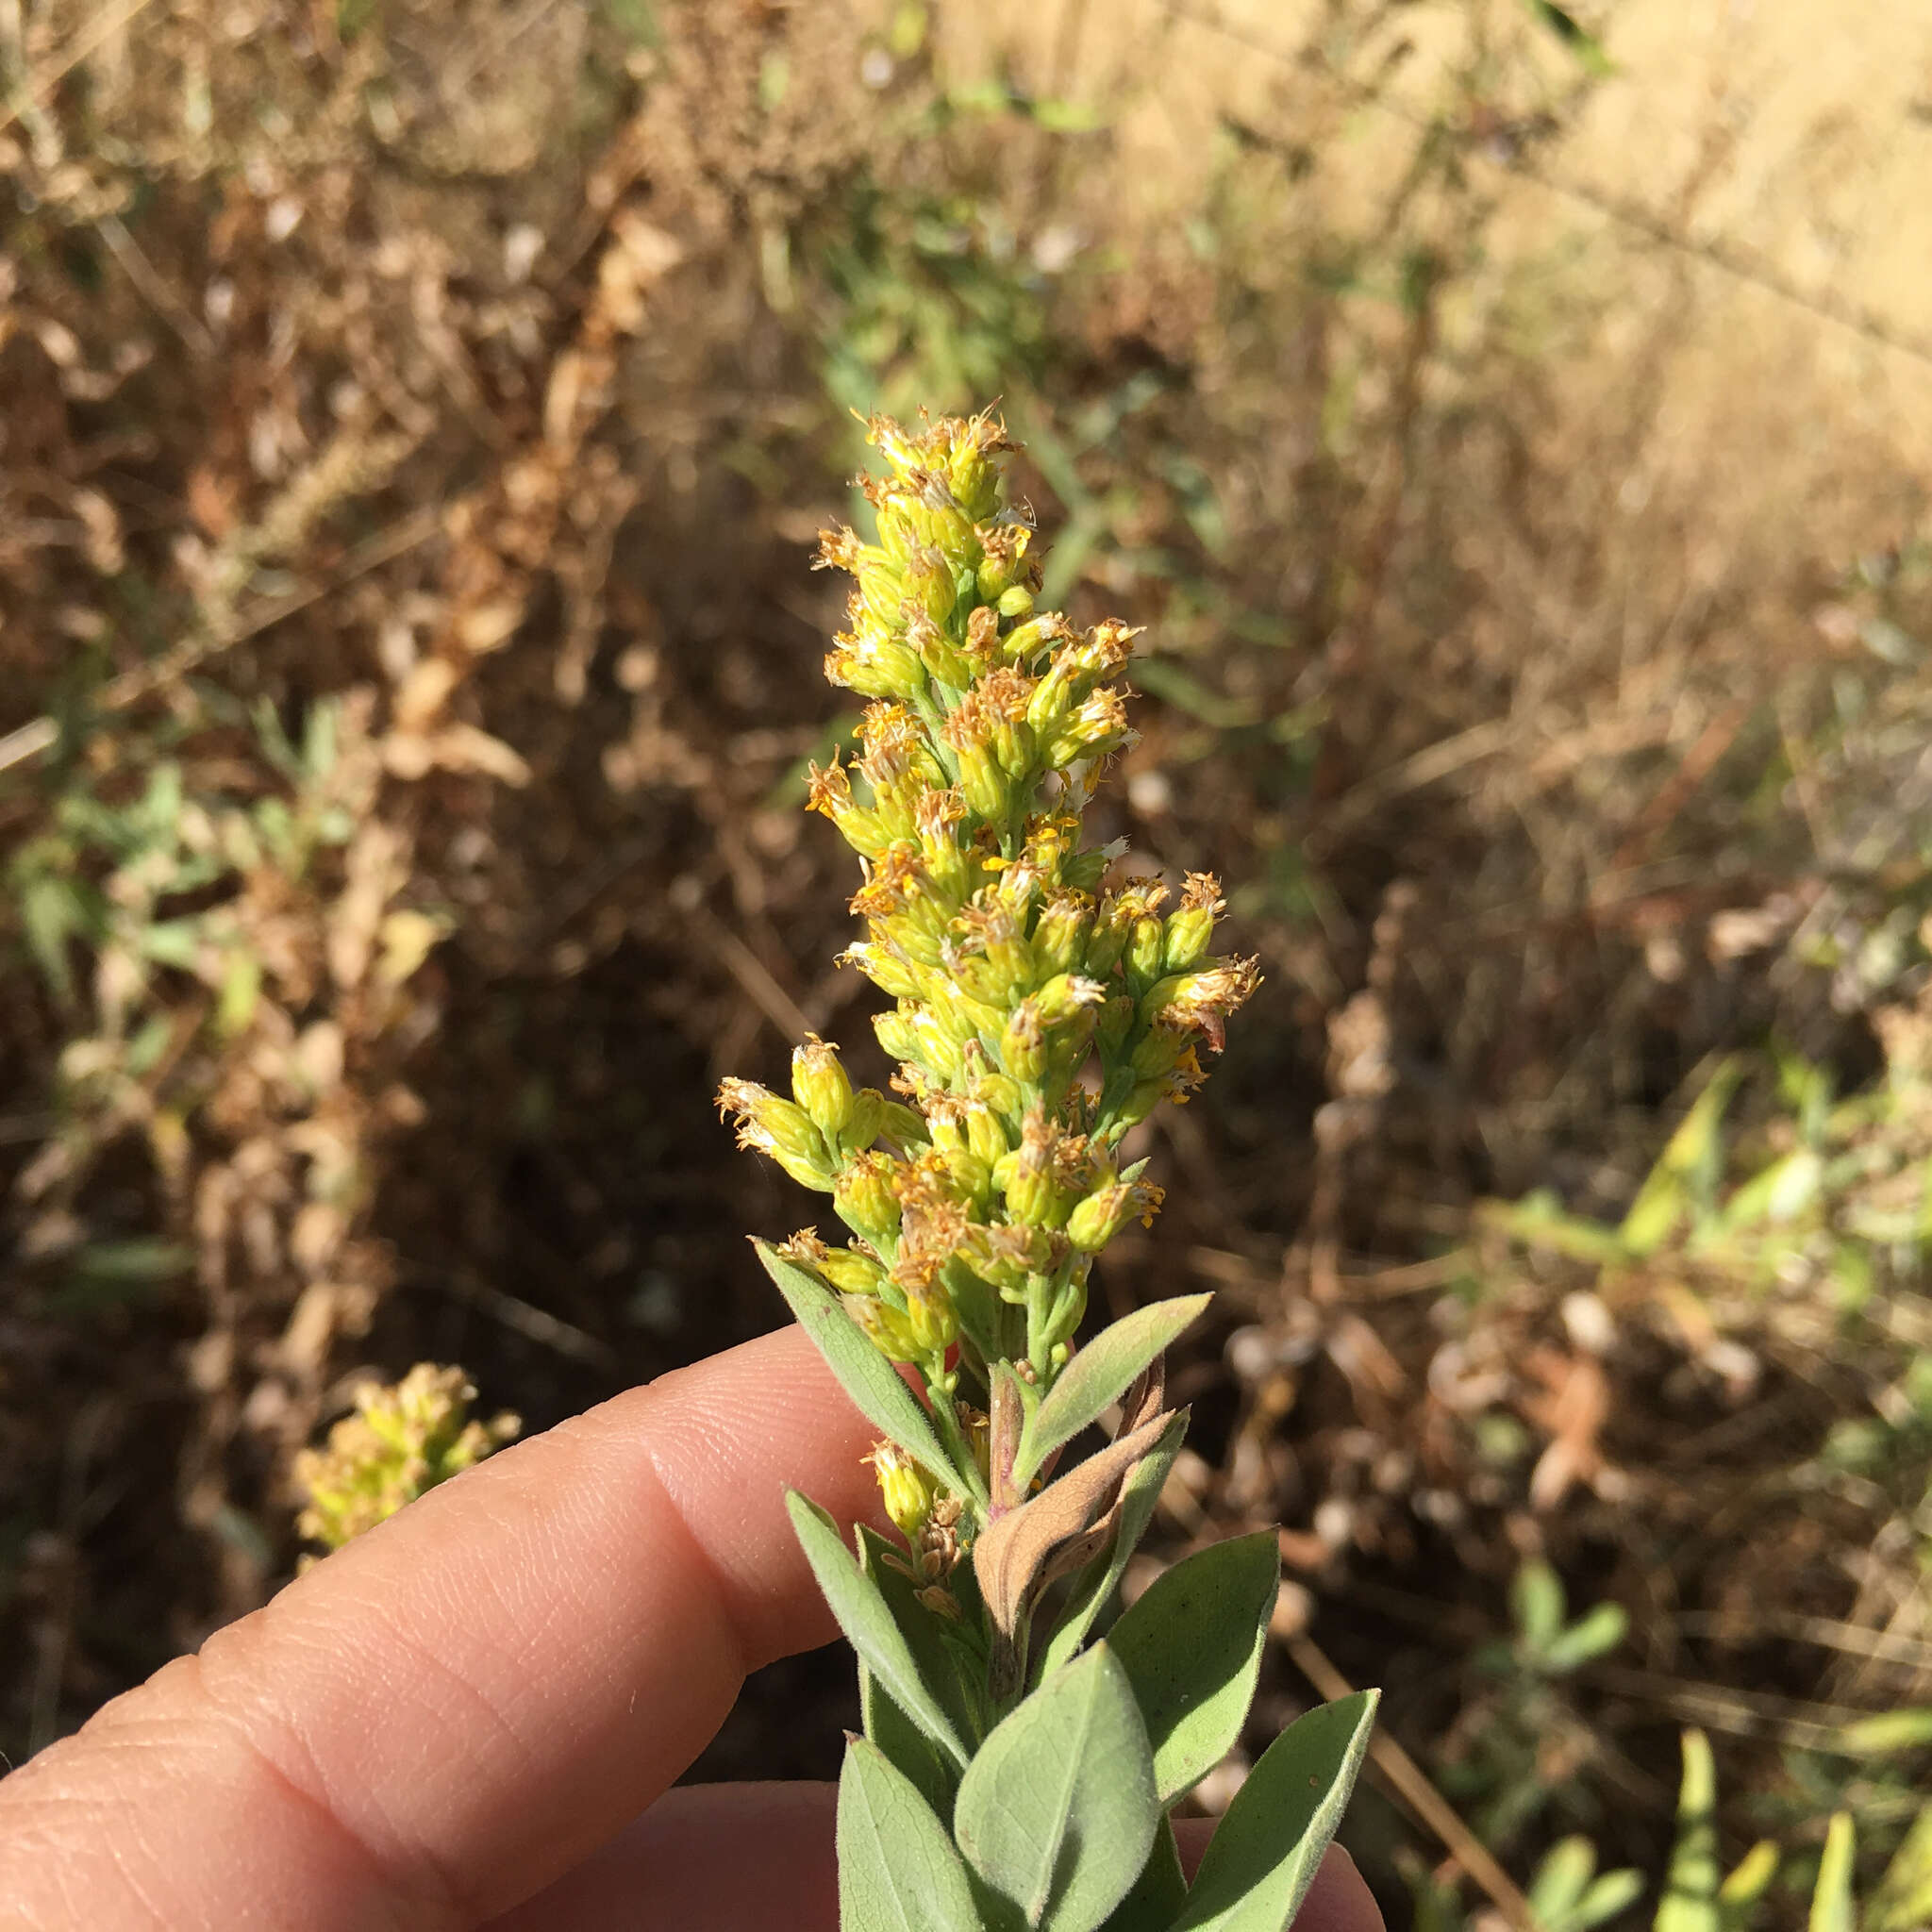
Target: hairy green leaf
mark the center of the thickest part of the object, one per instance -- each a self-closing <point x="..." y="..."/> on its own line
<point x="1101" y="1373"/>
<point x="863" y="1373"/>
<point x="868" y="1624"/>
<point x="1056" y="1813"/>
<point x="898" y="1869"/>
<point x="1191" y="1649"/>
<point x="1264" y="1857"/>
<point x="950" y="1668"/>
<point x="1158" y="1893"/>
<point x="911" y="1752"/>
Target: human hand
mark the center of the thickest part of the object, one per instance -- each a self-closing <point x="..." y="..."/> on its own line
<point x="470" y="1716"/>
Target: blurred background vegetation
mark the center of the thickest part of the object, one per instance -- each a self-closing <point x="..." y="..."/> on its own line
<point x="1509" y="422"/>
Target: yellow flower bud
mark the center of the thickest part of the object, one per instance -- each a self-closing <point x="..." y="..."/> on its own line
<point x="829" y="791"/>
<point x="1145" y="945"/>
<point x="1059" y="939"/>
<point x="884" y="969"/>
<point x="1065" y="995"/>
<point x="908" y="1492"/>
<point x="1023" y="1044"/>
<point x="820" y="1085"/>
<point x="850" y="1271"/>
<point x="1095" y="1221"/>
<point x="1191" y="930"/>
<point x="1096" y="729"/>
<point x="781" y="1128"/>
<point x="1200" y="1000"/>
<point x="867" y="1196"/>
<point x="895" y="1033"/>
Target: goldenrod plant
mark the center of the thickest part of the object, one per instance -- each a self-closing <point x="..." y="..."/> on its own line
<point x="404" y="1437"/>
<point x="1015" y="1770"/>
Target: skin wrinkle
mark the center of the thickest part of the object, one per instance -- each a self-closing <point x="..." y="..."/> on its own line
<point x="86" y="1821"/>
<point x="400" y="1872"/>
<point x="398" y="1901"/>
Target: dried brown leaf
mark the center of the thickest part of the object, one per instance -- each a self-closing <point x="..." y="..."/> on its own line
<point x="1018" y="1554"/>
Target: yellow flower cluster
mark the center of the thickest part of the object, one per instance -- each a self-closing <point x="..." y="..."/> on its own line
<point x="1039" y="1011"/>
<point x="404" y="1437"/>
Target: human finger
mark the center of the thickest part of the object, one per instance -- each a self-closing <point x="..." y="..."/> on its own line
<point x="444" y="1716"/>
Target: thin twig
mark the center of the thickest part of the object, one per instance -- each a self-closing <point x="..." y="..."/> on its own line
<point x="118" y="692"/>
<point x="1408" y="1782"/>
<point x="154" y="287"/>
<point x="1855" y="1640"/>
<point x="751" y="972"/>
<point x="537" y="1324"/>
<point x="37" y="91"/>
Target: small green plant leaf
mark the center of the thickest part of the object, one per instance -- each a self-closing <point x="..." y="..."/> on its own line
<point x="1192" y="1648"/>
<point x="1561" y="1881"/>
<point x="1886" y="1731"/>
<point x="1093" y="1587"/>
<point x="1101" y="1373"/>
<point x="1264" y="1857"/>
<point x="1613" y="1895"/>
<point x="1158" y="1893"/>
<point x="898" y="1869"/>
<point x="1056" y="1813"/>
<point x="1536" y="1604"/>
<point x="863" y="1373"/>
<point x="1595" y="1634"/>
<point x="1584" y="47"/>
<point x="1831" y="1898"/>
<point x="863" y="1615"/>
<point x="1690" y="1901"/>
<point x="1750" y="1879"/>
<point x="1904" y="1899"/>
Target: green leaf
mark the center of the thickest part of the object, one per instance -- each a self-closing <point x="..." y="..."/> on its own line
<point x="1101" y="1373"/>
<point x="1093" y="1586"/>
<point x="1690" y="1901"/>
<point x="1158" y="1893"/>
<point x="1561" y="1879"/>
<point x="1584" y="45"/>
<point x="1831" y="1898"/>
<point x="1749" y="1880"/>
<point x="1264" y="1857"/>
<point x="936" y="1651"/>
<point x="912" y="1753"/>
<point x="1536" y="1603"/>
<point x="1191" y="1649"/>
<point x="1886" y="1732"/>
<point x="898" y="1869"/>
<point x="1056" y="1813"/>
<point x="863" y="1373"/>
<point x="52" y="911"/>
<point x="1904" y="1899"/>
<point x="1595" y="1634"/>
<point x="1612" y="1894"/>
<point x="868" y="1623"/>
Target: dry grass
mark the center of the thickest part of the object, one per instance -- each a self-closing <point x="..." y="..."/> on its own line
<point x="1538" y="669"/>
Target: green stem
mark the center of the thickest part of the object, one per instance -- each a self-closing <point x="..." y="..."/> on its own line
<point x="946" y="1419"/>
